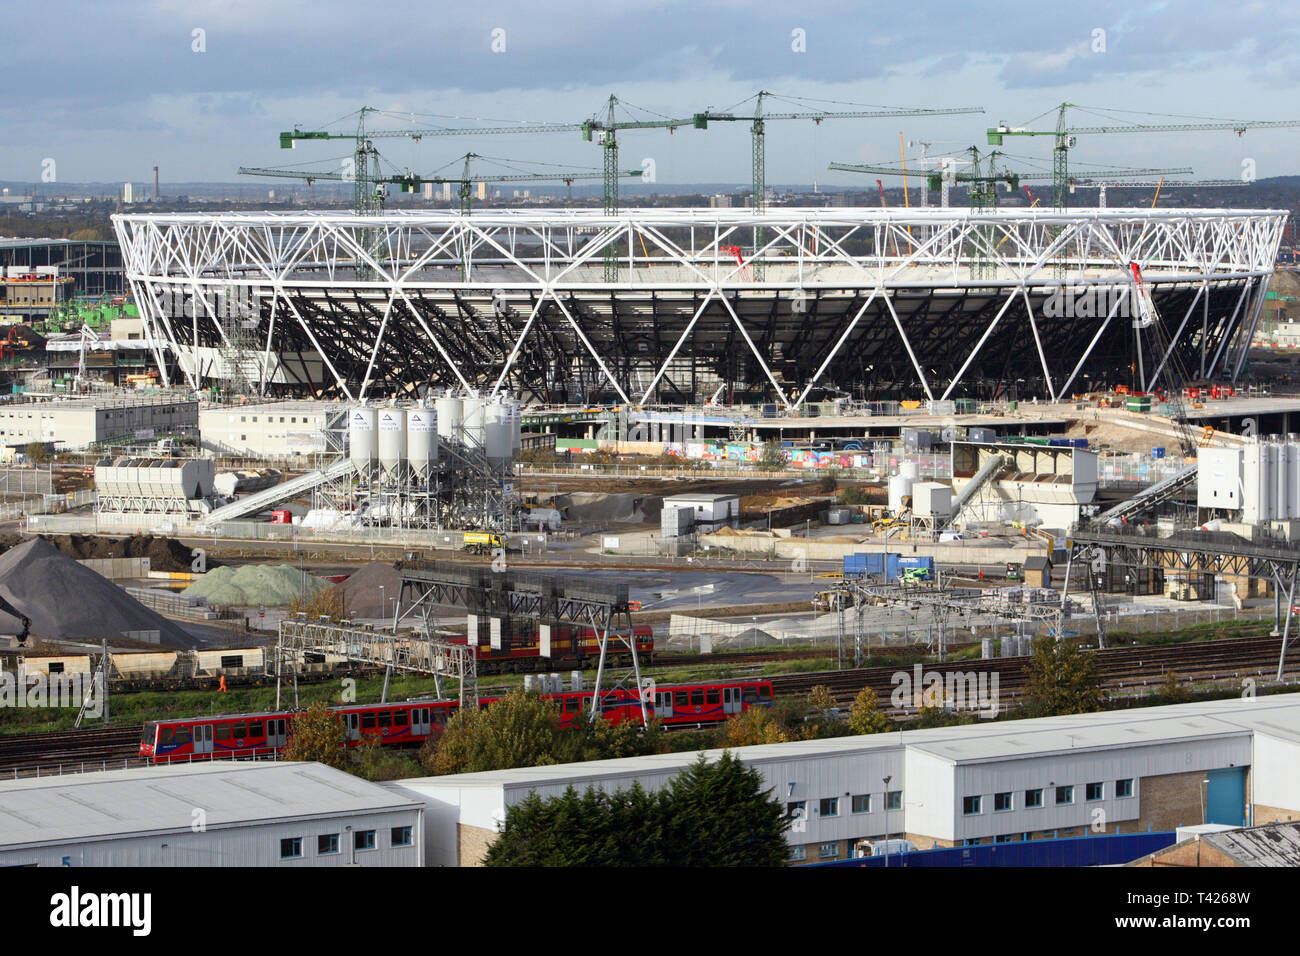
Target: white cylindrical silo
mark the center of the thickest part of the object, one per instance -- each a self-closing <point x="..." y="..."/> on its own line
<point x="900" y="486"/>
<point x="451" y="412"/>
<point x="362" y="441"/>
<point x="496" y="431"/>
<point x="1268" y="503"/>
<point x="392" y="440"/>
<point x="1293" y="474"/>
<point x="1282" y="504"/>
<point x="422" y="441"/>
<point x="909" y="469"/>
<point x="516" y="426"/>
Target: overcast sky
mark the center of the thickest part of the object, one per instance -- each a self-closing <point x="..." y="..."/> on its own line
<point x="109" y="89"/>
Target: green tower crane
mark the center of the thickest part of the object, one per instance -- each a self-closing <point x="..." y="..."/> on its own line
<point x="1065" y="138"/>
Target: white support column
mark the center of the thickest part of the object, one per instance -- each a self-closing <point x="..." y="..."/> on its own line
<point x="908" y="345"/>
<point x="752" y="348"/>
<point x="1124" y="293"/>
<point x="686" y="333"/>
<point x="831" y="354"/>
<point x="1042" y="357"/>
<point x="587" y="342"/>
<point x="1011" y="297"/>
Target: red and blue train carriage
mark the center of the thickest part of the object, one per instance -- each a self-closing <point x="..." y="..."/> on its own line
<point x="410" y="723"/>
<point x="571" y="647"/>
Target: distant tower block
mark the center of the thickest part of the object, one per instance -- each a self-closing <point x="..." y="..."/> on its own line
<point x="482" y="190"/>
<point x="155" y="184"/>
<point x="446" y="192"/>
<point x="128" y="194"/>
<point x="428" y="190"/>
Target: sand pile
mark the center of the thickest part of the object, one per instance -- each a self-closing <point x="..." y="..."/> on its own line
<point x="66" y="600"/>
<point x="361" y="594"/>
<point x="253" y="585"/>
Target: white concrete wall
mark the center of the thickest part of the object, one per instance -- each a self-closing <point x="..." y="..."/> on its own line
<point x="1275" y="772"/>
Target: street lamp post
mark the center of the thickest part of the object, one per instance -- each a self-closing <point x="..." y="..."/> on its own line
<point x="886" y="799"/>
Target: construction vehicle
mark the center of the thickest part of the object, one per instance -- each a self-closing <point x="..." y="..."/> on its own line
<point x="484" y="542"/>
<point x="1015" y="571"/>
<point x="890" y="522"/>
<point x="7" y="608"/>
<point x="831" y="600"/>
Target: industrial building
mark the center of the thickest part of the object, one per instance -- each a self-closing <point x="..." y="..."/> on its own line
<point x="75" y="423"/>
<point x="208" y="814"/>
<point x="1032" y="484"/>
<point x="273" y="430"/>
<point x="1234" y="761"/>
<point x="37" y="275"/>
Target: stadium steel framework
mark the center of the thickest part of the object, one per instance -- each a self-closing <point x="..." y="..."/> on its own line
<point x="879" y="303"/>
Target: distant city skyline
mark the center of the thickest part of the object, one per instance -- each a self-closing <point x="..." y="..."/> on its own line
<point x="104" y="92"/>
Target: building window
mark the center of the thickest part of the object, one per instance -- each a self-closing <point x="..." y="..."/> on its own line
<point x="973" y="841"/>
<point x="1124" y="788"/>
<point x="1033" y="799"/>
<point x="862" y="803"/>
<point x="798" y="853"/>
<point x="894" y="800"/>
<point x="830" y="807"/>
<point x="1094" y="791"/>
<point x="1064" y="795"/>
<point x="797" y="810"/>
<point x="970" y="805"/>
<point x="363" y="840"/>
<point x="828" y="851"/>
<point x="327" y="843"/>
<point x="1005" y="838"/>
<point x="291" y="848"/>
<point x="401" y="836"/>
<point x="1002" y="802"/>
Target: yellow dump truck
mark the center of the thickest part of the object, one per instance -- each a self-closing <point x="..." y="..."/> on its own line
<point x="484" y="542"/>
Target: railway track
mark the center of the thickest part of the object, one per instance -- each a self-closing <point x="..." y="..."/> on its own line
<point x="69" y="747"/>
<point x="1123" y="670"/>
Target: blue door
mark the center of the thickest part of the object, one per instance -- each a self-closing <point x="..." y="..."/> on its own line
<point x="1225" y="801"/>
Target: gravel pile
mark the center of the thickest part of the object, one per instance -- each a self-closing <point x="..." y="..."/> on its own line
<point x="361" y="594"/>
<point x="65" y="600"/>
<point x="253" y="585"/>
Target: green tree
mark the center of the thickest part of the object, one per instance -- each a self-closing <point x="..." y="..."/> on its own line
<point x="755" y="726"/>
<point x="866" y="717"/>
<point x="931" y="717"/>
<point x="722" y="816"/>
<point x="711" y="814"/>
<point x="772" y="457"/>
<point x="519" y="730"/>
<point x="317" y="735"/>
<point x="1173" y="692"/>
<point x="1062" y="679"/>
<point x="37" y="452"/>
<point x="324" y="602"/>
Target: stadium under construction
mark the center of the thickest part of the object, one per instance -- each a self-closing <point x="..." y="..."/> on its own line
<point x="669" y="306"/>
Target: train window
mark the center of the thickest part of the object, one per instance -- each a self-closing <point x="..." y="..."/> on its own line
<point x="182" y="735"/>
<point x="682" y="698"/>
<point x="749" y="695"/>
<point x="166" y="736"/>
<point x="400" y="718"/>
<point x="241" y="729"/>
<point x="439" y="717"/>
<point x="572" y="705"/>
<point x="713" y="696"/>
<point x="255" y="728"/>
<point x="368" y="721"/>
<point x="610" y="702"/>
<point x="385" y="718"/>
<point x="764" y="692"/>
<point x="223" y="731"/>
<point x="697" y="698"/>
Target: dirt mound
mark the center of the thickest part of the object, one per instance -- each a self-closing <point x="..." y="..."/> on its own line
<point x="65" y="600"/>
<point x="361" y="594"/>
<point x="164" y="554"/>
<point x="586" y="506"/>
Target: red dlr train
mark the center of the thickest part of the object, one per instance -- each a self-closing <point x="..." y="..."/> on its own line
<point x="412" y="722"/>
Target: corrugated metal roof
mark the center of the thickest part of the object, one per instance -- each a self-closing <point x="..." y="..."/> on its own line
<point x="1278" y="715"/>
<point x="1275" y="844"/>
<point x="96" y="806"/>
